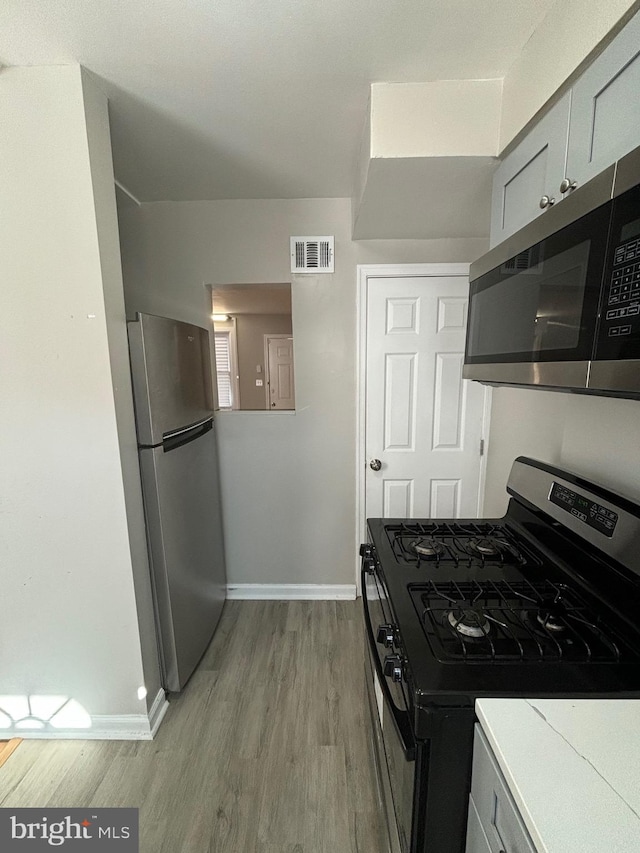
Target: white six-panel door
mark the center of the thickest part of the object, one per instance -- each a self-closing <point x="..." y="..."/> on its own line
<point x="280" y="384"/>
<point x="423" y="422"/>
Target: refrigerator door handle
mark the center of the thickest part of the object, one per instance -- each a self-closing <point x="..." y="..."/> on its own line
<point x="176" y="432"/>
<point x="180" y="437"/>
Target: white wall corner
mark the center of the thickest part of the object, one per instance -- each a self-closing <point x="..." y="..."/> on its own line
<point x="49" y="138"/>
<point x="446" y="118"/>
<point x="106" y="219"/>
<point x="362" y="166"/>
<point x="426" y="141"/>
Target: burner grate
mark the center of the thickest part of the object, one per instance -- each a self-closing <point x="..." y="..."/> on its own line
<point x="520" y="621"/>
<point x="418" y="543"/>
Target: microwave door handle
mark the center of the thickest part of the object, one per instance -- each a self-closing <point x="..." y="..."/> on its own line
<point x="400" y="718"/>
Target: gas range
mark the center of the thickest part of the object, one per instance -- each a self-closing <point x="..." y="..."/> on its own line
<point x="479" y="605"/>
<point x="544" y="602"/>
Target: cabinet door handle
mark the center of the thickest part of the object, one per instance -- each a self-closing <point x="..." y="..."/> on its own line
<point x="567" y="185"/>
<point x="545" y="202"/>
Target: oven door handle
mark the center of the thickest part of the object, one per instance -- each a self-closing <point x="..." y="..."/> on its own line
<point x="400" y="717"/>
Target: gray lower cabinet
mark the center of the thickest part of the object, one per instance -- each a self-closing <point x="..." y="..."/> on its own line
<point x="476" y="838"/>
<point x="531" y="172"/>
<point x="605" y="109"/>
<point x="495" y="825"/>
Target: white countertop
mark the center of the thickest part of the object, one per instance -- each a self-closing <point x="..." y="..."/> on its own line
<point x="573" y="767"/>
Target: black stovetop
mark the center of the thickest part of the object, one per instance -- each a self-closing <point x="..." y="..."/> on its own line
<point x="482" y="609"/>
<point x="458" y="543"/>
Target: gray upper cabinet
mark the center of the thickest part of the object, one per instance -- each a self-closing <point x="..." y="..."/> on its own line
<point x="589" y="128"/>
<point x="531" y="174"/>
<point x="605" y="111"/>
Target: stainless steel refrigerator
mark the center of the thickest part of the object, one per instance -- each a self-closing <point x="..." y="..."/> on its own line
<point x="171" y="370"/>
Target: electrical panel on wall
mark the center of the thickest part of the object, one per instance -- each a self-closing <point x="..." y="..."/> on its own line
<point x="312" y="254"/>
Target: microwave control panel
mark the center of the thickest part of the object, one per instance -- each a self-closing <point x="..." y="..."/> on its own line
<point x="619" y="331"/>
<point x="622" y="312"/>
<point x="599" y="517"/>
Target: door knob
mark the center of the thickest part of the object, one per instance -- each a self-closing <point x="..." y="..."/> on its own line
<point x="375" y="464"/>
<point x="567" y="185"/>
<point x="545" y="202"/>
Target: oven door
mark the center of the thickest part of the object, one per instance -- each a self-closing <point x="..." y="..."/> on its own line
<point x="533" y="314"/>
<point x="393" y="737"/>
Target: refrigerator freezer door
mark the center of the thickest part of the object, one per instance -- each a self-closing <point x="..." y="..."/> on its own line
<point x="171" y="369"/>
<point x="184" y="523"/>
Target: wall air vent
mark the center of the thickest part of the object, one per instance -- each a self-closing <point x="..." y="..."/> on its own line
<point x="312" y="254"/>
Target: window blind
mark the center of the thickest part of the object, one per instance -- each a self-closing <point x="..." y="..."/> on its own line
<point x="223" y="369"/>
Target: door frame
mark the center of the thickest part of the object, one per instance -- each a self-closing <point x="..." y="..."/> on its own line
<point x="374" y="271"/>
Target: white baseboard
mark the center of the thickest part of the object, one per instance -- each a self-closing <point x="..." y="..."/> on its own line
<point x="285" y="592"/>
<point x="157" y="711"/>
<point x="104" y="726"/>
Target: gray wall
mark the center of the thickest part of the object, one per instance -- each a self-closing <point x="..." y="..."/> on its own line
<point x="524" y="421"/>
<point x="601" y="439"/>
<point x="288" y="480"/>
<point x="594" y="436"/>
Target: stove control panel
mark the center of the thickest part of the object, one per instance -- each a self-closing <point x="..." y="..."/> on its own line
<point x="590" y="512"/>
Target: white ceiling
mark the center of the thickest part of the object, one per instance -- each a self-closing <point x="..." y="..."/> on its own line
<point x="257" y="98"/>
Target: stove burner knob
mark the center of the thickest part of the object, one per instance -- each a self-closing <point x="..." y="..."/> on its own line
<point x="386" y="636"/>
<point x="392" y="667"/>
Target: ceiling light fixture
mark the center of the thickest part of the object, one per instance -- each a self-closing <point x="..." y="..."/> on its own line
<point x="220" y="318"/>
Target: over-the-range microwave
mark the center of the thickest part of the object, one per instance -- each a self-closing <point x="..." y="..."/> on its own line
<point x="557" y="305"/>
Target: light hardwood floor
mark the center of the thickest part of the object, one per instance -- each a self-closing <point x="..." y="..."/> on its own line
<point x="266" y="751"/>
